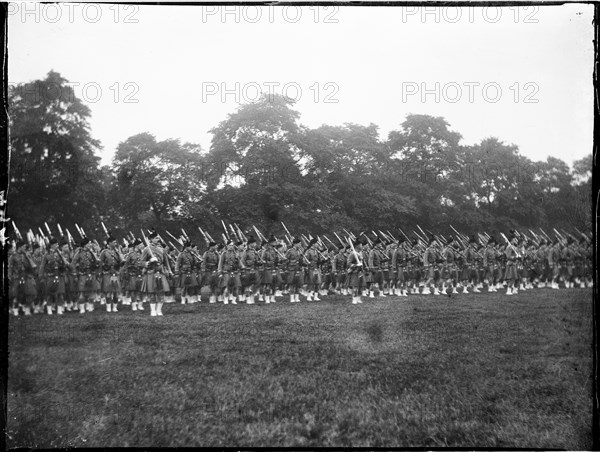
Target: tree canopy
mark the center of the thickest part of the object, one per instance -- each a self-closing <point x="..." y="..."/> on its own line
<point x="264" y="167"/>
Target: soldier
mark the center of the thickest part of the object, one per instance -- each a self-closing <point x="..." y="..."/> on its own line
<point x="313" y="277"/>
<point x="376" y="262"/>
<point x="338" y="267"/>
<point x="154" y="282"/>
<point x="429" y="261"/>
<point x="70" y="277"/>
<point x="541" y="263"/>
<point x="84" y="264"/>
<point x="268" y="258"/>
<point x="23" y="287"/>
<point x="356" y="280"/>
<point x="554" y="262"/>
<point x="185" y="268"/>
<point x="511" y="276"/>
<point x="399" y="261"/>
<point x="110" y="263"/>
<point x="294" y="259"/>
<point x="567" y="257"/>
<point x="449" y="268"/>
<point x="326" y="271"/>
<point x="250" y="276"/>
<point x="52" y="271"/>
<point x="489" y="264"/>
<point x="37" y="254"/>
<point x="210" y="265"/>
<point x="134" y="268"/>
<point x="389" y="274"/>
<point x="229" y="273"/>
<point x="413" y="266"/>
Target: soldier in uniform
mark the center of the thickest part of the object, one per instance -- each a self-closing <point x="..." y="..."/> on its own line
<point x="489" y="264"/>
<point x="376" y="262"/>
<point x="70" y="279"/>
<point x="110" y="263"/>
<point x="567" y="257"/>
<point x="511" y="275"/>
<point x="23" y="287"/>
<point x="134" y="268"/>
<point x="250" y="277"/>
<point x="356" y="280"/>
<point x="84" y="264"/>
<point x="229" y="273"/>
<point x="294" y="259"/>
<point x="52" y="271"/>
<point x="554" y="262"/>
<point x="429" y="262"/>
<point x="313" y="277"/>
<point x="154" y="282"/>
<point x="338" y="267"/>
<point x="449" y="267"/>
<point x="269" y="259"/>
<point x="399" y="261"/>
<point x="185" y="271"/>
<point x="210" y="265"/>
<point x="37" y="254"/>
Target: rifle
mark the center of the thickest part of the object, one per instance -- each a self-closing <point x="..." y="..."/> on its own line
<point x="340" y="240"/>
<point x="226" y="235"/>
<point x="48" y="229"/>
<point x="241" y="234"/>
<point x="17" y="232"/>
<point x="358" y="258"/>
<point x="204" y="236"/>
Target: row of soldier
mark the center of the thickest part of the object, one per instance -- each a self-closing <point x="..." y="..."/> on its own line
<point x="63" y="277"/>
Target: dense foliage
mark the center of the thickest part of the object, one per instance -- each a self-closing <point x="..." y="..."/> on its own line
<point x="264" y="167"/>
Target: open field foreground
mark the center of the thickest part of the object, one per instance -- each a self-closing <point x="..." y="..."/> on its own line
<point x="472" y="370"/>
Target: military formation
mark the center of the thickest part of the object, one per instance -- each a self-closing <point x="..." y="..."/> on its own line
<point x="50" y="273"/>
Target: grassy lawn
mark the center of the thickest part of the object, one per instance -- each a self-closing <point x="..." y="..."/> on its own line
<point x="472" y="370"/>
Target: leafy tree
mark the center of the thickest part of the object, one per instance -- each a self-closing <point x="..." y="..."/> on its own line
<point x="424" y="158"/>
<point x="54" y="169"/>
<point x="156" y="181"/>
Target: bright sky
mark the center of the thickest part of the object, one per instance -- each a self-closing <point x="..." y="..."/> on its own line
<point x="522" y="74"/>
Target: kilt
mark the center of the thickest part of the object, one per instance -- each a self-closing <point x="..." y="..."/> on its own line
<point x="555" y="270"/>
<point x="20" y="288"/>
<point x="326" y="278"/>
<point x="187" y="280"/>
<point x="55" y="285"/>
<point x="250" y="278"/>
<point x="134" y="283"/>
<point x="401" y="275"/>
<point x="511" y="271"/>
<point x="376" y="276"/>
<point x="88" y="283"/>
<point x="313" y="276"/>
<point x="295" y="278"/>
<point x="389" y="275"/>
<point x="268" y="277"/>
<point x="429" y="272"/>
<point x="154" y="283"/>
<point x="566" y="270"/>
<point x="210" y="279"/>
<point x="356" y="280"/>
<point x="367" y="276"/>
<point x="412" y="272"/>
<point x="489" y="272"/>
<point x="340" y="277"/>
<point x="71" y="283"/>
<point x="230" y="280"/>
<point x="111" y="282"/>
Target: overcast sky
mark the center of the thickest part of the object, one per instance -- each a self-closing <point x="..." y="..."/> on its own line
<point x="522" y="74"/>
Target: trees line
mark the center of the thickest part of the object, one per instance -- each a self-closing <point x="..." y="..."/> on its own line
<point x="264" y="167"/>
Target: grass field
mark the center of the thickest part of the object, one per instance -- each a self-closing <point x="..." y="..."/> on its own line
<point x="473" y="370"/>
